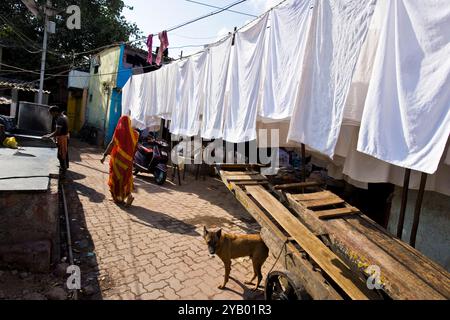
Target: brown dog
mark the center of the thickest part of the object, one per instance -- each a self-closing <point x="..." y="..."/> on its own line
<point x="231" y="246"/>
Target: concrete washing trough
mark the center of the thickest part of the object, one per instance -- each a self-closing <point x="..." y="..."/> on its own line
<point x="29" y="206"/>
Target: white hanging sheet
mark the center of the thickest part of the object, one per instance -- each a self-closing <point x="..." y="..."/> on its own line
<point x="338" y="30"/>
<point x="131" y="100"/>
<point x="166" y="90"/>
<point x="359" y="169"/>
<point x="406" y="118"/>
<point x="245" y="79"/>
<point x="356" y="98"/>
<point x="190" y="96"/>
<point x="161" y="90"/>
<point x="127" y="94"/>
<point x="150" y="101"/>
<point x="213" y="111"/>
<point x="287" y="37"/>
<point x="171" y="85"/>
<point x="139" y="101"/>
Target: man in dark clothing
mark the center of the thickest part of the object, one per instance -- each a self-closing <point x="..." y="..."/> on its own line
<point x="61" y="135"/>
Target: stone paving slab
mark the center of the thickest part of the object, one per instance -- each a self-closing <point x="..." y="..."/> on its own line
<point x="154" y="250"/>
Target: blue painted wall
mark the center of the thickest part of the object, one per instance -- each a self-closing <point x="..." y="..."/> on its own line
<point x="115" y="108"/>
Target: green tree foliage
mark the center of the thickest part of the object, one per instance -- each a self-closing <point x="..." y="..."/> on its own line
<point x="102" y="24"/>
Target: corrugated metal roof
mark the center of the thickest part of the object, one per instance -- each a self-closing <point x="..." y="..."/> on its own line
<point x="4" y="100"/>
<point x="19" y="85"/>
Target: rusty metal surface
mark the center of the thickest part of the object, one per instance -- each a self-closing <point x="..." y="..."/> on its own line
<point x="34" y="118"/>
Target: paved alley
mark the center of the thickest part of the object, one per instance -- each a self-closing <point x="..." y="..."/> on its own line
<point x="155" y="249"/>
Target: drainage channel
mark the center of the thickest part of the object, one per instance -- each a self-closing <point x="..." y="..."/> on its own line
<point x="68" y="235"/>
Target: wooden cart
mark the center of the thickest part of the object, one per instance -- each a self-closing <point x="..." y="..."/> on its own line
<point x="327" y="249"/>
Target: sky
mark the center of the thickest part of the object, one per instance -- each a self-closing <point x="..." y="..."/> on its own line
<point x="153" y="16"/>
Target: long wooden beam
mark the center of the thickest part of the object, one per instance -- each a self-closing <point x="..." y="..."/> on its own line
<point x="313" y="281"/>
<point x="330" y="263"/>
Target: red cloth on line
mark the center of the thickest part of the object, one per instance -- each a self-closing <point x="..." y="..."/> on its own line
<point x="150" y="46"/>
<point x="163" y="46"/>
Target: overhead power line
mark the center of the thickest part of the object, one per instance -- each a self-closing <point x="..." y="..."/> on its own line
<point x="63" y="73"/>
<point x="211" y="6"/>
<point x="170" y="29"/>
<point x="207" y="15"/>
<point x="26" y="39"/>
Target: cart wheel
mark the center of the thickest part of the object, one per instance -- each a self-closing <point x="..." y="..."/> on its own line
<point x="282" y="285"/>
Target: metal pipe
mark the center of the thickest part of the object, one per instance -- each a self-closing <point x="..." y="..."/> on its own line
<point x="401" y="218"/>
<point x="415" y="226"/>
<point x="44" y="56"/>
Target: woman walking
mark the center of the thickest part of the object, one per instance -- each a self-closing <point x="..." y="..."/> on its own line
<point x="122" y="149"/>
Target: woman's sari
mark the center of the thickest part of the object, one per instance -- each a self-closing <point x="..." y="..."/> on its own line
<point x="121" y="163"/>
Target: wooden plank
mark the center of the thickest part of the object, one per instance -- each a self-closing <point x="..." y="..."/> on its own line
<point x="233" y="166"/>
<point x="323" y="203"/>
<point x="245" y="178"/>
<point x="250" y="182"/>
<point x="413" y="255"/>
<point x="314" y="196"/>
<point x="421" y="266"/>
<point x="354" y="247"/>
<point x="314" y="282"/>
<point x="296" y="185"/>
<point x="336" y="213"/>
<point x="324" y="257"/>
<point x="239" y="173"/>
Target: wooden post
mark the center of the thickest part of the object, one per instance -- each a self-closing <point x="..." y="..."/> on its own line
<point x="401" y="217"/>
<point x="304" y="162"/>
<point x="415" y="226"/>
<point x="234" y="35"/>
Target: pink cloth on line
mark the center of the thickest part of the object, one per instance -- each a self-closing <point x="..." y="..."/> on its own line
<point x="150" y="46"/>
<point x="164" y="44"/>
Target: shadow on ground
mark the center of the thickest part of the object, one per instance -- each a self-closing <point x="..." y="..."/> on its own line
<point x="82" y="244"/>
<point x="161" y="221"/>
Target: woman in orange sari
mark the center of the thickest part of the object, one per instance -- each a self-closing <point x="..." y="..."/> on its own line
<point x="122" y="149"/>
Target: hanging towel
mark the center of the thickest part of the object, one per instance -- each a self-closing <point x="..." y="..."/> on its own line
<point x="406" y="118"/>
<point x="245" y="79"/>
<point x="284" y="58"/>
<point x="150" y="48"/>
<point x="213" y="111"/>
<point x="162" y="47"/>
<point x="338" y="30"/>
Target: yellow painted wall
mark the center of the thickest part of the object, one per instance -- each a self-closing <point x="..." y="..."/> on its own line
<point x="71" y="110"/>
<point x="76" y="109"/>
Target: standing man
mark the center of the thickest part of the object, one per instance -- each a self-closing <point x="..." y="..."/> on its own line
<point x="61" y="135"/>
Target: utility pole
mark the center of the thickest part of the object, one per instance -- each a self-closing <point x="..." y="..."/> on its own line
<point x="44" y="53"/>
